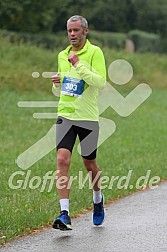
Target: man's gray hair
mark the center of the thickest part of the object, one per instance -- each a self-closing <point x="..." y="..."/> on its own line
<point x="83" y="20"/>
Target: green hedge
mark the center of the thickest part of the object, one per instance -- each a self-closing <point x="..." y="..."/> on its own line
<point x="145" y="42"/>
<point x="48" y="41"/>
<point x="108" y="39"/>
<point x="163" y="45"/>
<point x="60" y="40"/>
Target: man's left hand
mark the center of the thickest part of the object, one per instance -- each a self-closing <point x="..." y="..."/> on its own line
<point x="73" y="58"/>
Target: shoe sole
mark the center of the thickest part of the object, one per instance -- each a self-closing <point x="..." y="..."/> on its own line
<point x="58" y="224"/>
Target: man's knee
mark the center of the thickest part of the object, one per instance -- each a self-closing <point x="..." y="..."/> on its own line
<point x="63" y="158"/>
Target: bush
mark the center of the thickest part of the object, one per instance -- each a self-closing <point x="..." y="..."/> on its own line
<point x="60" y="40"/>
<point x="48" y="41"/>
<point x="108" y="39"/>
<point x="163" y="45"/>
<point x="145" y="42"/>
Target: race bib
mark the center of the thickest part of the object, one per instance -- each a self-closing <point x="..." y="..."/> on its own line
<point x="72" y="86"/>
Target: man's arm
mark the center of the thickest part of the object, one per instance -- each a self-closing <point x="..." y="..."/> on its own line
<point x="56" y="80"/>
<point x="94" y="74"/>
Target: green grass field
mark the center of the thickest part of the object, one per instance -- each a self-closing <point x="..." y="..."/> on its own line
<point x="138" y="145"/>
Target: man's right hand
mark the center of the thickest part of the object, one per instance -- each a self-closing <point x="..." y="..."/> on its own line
<point x="56" y="79"/>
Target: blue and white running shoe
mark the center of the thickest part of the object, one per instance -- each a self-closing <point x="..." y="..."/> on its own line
<point x="98" y="213"/>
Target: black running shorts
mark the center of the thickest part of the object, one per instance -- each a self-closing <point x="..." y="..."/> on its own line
<point x="87" y="131"/>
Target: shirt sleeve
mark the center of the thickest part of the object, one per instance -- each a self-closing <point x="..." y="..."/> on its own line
<point x="56" y="90"/>
<point x="94" y="74"/>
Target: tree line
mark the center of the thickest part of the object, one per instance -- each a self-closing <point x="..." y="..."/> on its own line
<point x="109" y="15"/>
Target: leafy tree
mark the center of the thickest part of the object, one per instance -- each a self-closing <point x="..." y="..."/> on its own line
<point x="69" y="8"/>
<point x="27" y="15"/>
<point x="151" y="15"/>
<point x="108" y="15"/>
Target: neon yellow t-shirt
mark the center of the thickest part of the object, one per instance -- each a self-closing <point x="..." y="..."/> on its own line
<point x="80" y="85"/>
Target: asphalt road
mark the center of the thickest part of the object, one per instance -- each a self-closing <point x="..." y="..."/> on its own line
<point x="135" y="223"/>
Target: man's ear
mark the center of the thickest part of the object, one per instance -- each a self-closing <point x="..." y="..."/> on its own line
<point x="86" y="31"/>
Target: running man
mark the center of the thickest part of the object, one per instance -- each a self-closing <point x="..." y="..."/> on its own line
<point x="81" y="73"/>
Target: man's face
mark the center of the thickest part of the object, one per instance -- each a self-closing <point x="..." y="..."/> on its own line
<point x="76" y="33"/>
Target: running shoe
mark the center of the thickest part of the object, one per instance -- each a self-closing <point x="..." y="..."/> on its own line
<point x="98" y="213"/>
<point x="63" y="221"/>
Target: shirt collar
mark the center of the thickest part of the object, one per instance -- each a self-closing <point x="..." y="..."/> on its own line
<point x="68" y="49"/>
